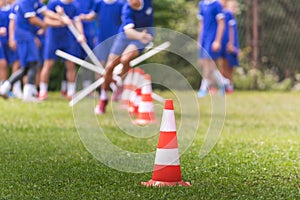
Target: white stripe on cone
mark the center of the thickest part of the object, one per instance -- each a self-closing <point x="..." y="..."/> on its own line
<point x="167" y="157"/>
<point x="135" y="78"/>
<point x="168" y="121"/>
<point x="126" y="92"/>
<point x="146" y="107"/>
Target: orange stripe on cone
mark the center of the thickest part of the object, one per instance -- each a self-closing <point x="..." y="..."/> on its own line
<point x="166" y="170"/>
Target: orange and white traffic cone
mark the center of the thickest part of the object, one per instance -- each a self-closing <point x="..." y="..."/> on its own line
<point x="146" y="108"/>
<point x="127" y="89"/>
<point x="135" y="95"/>
<point x="167" y="166"/>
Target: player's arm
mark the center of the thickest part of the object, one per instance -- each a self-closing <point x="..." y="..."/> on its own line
<point x="143" y="36"/>
<point x="230" y="46"/>
<point x="51" y="18"/>
<point x="11" y="34"/>
<point x="200" y="26"/>
<point x="79" y="26"/>
<point x="88" y="17"/>
<point x="220" y="30"/>
<point x="36" y="21"/>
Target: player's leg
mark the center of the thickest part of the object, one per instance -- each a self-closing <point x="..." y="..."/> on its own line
<point x="30" y="86"/>
<point x="112" y="61"/>
<point x="3" y="70"/>
<point x="205" y="82"/>
<point x="64" y="83"/>
<point x="44" y="78"/>
<point x="17" y="87"/>
<point x="129" y="54"/>
<point x="71" y="77"/>
<point x="3" y="64"/>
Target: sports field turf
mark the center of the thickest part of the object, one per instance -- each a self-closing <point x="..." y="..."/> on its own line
<point x="256" y="157"/>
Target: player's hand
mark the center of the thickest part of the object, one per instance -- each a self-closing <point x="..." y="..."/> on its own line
<point x="145" y="37"/>
<point x="12" y="44"/>
<point x="40" y="31"/>
<point x="59" y="10"/>
<point x="81" y="38"/>
<point x="231" y="48"/>
<point x="216" y="46"/>
<point x="83" y="17"/>
<point x="37" y="42"/>
<point x="3" y="31"/>
<point x="66" y="20"/>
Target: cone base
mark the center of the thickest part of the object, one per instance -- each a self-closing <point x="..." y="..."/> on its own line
<point x="163" y="184"/>
<point x="144" y="122"/>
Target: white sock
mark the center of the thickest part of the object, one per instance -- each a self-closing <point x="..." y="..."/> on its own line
<point x="86" y="83"/>
<point x="5" y="87"/>
<point x="218" y="78"/>
<point x="43" y="88"/>
<point x="103" y="95"/>
<point x="29" y="90"/>
<point x="17" y="87"/>
<point x="64" y="85"/>
<point x="71" y="89"/>
<point x="225" y="81"/>
<point x="204" y="85"/>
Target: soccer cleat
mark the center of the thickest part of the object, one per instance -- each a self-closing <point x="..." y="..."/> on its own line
<point x="202" y="93"/>
<point x="18" y="94"/>
<point x="116" y="96"/>
<point x="4" y="89"/>
<point x="213" y="90"/>
<point x="229" y="89"/>
<point x="101" y="107"/>
<point x="31" y="99"/>
<point x="69" y="98"/>
<point x="221" y="90"/>
<point x="43" y="96"/>
<point x="63" y="93"/>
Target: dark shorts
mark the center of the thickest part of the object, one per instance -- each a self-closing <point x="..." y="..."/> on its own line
<point x="28" y="52"/>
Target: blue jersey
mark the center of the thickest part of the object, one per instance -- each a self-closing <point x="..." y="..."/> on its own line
<point x="85" y="7"/>
<point x="71" y="9"/>
<point x="109" y="18"/>
<point x="138" y="18"/>
<point x="210" y="11"/>
<point x="4" y="21"/>
<point x="24" y="9"/>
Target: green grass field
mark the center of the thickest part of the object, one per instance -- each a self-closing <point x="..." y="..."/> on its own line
<point x="256" y="157"/>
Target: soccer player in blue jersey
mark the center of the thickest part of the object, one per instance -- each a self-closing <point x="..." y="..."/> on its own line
<point x="25" y="22"/>
<point x="10" y="54"/>
<point x="61" y="38"/>
<point x="232" y="47"/>
<point x="136" y="32"/>
<point x="85" y="7"/>
<point x="3" y="40"/>
<point x="211" y="28"/>
<point x="108" y="19"/>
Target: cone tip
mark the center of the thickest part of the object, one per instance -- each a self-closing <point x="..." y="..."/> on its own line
<point x="139" y="70"/>
<point x="169" y="104"/>
<point x="147" y="77"/>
